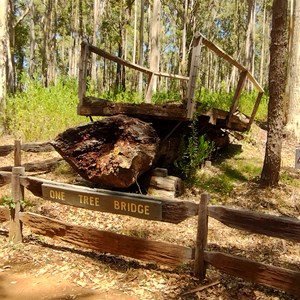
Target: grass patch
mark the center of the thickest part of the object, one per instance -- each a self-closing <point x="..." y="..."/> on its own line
<point x="39" y="113"/>
<point x="288" y="179"/>
<point x="227" y="175"/>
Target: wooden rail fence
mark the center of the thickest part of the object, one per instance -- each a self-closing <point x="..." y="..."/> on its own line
<point x="172" y="211"/>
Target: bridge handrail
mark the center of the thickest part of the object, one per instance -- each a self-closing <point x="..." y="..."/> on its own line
<point x="221" y="53"/>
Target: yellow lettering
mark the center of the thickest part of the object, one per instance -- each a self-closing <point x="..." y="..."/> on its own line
<point x="123" y="205"/>
<point x="92" y="201"/>
<point x="85" y="200"/>
<point x="80" y="198"/>
<point x="97" y="201"/>
<point x="133" y="207"/>
<point x="140" y="209"/>
<point x="116" y="205"/>
<point x="59" y="195"/>
<point x="130" y="207"/>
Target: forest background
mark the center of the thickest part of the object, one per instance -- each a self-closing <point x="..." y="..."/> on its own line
<point x="40" y="49"/>
<point x="43" y="48"/>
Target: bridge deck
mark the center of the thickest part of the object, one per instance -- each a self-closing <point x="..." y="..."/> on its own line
<point x="92" y="106"/>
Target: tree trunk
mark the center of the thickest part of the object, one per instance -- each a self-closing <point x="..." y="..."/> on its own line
<point x="250" y="37"/>
<point x="32" y="62"/>
<point x="141" y="45"/>
<point x="112" y="152"/>
<point x="3" y="57"/>
<point x="154" y="42"/>
<point x="46" y="42"/>
<point x="294" y="75"/>
<point x="277" y="82"/>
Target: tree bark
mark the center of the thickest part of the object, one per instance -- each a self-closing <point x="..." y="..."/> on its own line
<point x="277" y="83"/>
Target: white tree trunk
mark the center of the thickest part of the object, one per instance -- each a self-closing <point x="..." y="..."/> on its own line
<point x="3" y="55"/>
<point x="32" y="62"/>
<point x="250" y="37"/>
<point x="141" y="46"/>
<point x="294" y="74"/>
<point x="154" y="41"/>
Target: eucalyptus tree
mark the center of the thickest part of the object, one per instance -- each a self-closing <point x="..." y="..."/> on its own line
<point x="3" y="57"/>
<point x="293" y="89"/>
<point x="277" y="84"/>
<point x="154" y="57"/>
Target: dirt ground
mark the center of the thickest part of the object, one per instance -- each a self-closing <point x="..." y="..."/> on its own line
<point x="42" y="268"/>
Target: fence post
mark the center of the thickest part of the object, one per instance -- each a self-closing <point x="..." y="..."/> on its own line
<point x="17" y="193"/>
<point x="201" y="239"/>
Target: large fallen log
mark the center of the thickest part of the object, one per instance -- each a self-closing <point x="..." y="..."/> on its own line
<point x="112" y="152"/>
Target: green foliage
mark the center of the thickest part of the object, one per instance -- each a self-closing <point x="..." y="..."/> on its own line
<point x="193" y="154"/>
<point x="223" y="180"/>
<point x="166" y="96"/>
<point x="7" y="201"/>
<point x="39" y="113"/>
<point x="287" y="178"/>
<point x="207" y="99"/>
<point x="122" y="96"/>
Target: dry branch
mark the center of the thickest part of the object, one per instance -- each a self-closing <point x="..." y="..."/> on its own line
<point x="29" y="147"/>
<point x="43" y="166"/>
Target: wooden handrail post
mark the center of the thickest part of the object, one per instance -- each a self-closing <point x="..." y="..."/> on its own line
<point x="194" y="69"/>
<point x="15" y="227"/>
<point x="149" y="88"/>
<point x="201" y="239"/>
<point x="17" y="153"/>
<point x="236" y="96"/>
<point x="255" y="108"/>
<point x="82" y="71"/>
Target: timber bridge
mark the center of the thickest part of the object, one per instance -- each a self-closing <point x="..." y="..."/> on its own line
<point x="93" y="106"/>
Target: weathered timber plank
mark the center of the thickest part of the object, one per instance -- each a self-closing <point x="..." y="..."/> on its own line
<point x="117" y="244"/>
<point x="4" y="214"/>
<point x="280" y="227"/>
<point x="126" y="63"/>
<point x="169" y="183"/>
<point x="201" y="238"/>
<point x="275" y="277"/>
<point x="173" y="211"/>
<point x="29" y="147"/>
<point x="5" y="177"/>
<point x="42" y="166"/>
<point x="92" y="106"/>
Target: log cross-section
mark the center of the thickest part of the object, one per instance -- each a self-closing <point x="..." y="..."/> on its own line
<point x="112" y="152"/>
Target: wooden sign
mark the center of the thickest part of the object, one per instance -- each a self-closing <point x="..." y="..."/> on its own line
<point x="112" y="202"/>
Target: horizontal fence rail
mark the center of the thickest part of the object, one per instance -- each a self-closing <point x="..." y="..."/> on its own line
<point x="274" y="226"/>
<point x="275" y="277"/>
<point x="104" y="241"/>
<point x="172" y="211"/>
